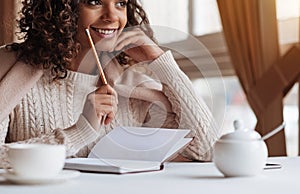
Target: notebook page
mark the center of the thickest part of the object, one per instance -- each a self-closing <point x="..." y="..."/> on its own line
<point x="137" y="143"/>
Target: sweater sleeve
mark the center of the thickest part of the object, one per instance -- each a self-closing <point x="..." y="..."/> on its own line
<point x="74" y="138"/>
<point x="189" y="110"/>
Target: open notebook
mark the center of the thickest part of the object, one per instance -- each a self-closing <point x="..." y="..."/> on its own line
<point x="132" y="149"/>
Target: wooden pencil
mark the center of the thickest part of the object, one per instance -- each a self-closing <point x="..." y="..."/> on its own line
<point x="102" y="75"/>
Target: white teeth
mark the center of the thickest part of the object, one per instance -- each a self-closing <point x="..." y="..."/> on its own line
<point x="106" y="32"/>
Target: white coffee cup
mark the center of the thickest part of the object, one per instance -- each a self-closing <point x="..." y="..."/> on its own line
<point x="36" y="160"/>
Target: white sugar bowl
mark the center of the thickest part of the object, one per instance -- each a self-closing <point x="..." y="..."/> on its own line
<point x="240" y="153"/>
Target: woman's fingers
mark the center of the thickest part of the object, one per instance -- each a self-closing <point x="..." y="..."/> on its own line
<point x="105" y="103"/>
<point x="129" y="33"/>
<point x="107" y="89"/>
<point x="109" y="118"/>
<point x="138" y="45"/>
<point x="106" y="112"/>
<point x="103" y="110"/>
<point x="106" y="99"/>
<point x="134" y="37"/>
<point x="130" y="42"/>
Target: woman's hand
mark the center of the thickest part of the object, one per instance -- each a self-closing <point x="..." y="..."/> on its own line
<point x="99" y="105"/>
<point x="138" y="45"/>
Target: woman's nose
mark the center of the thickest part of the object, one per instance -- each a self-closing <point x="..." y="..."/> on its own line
<point x="109" y="15"/>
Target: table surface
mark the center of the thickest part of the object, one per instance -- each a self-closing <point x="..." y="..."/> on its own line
<point x="176" y="178"/>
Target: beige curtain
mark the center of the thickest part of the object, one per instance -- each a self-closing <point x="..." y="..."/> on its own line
<point x="250" y="29"/>
<point x="8" y="12"/>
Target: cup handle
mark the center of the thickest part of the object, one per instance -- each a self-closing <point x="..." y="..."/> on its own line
<point x="6" y="164"/>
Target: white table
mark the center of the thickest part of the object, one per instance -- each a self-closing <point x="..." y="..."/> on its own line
<point x="181" y="178"/>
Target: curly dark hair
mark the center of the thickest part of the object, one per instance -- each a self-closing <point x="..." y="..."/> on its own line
<point x="49" y="29"/>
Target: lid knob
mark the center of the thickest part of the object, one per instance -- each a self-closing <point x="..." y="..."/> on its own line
<point x="241" y="133"/>
<point x="238" y="124"/>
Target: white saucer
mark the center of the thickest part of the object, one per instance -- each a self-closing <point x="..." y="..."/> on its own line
<point x="61" y="177"/>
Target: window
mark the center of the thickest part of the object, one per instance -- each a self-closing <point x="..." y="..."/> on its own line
<point x="167" y="15"/>
<point x="202" y="53"/>
<point x="291" y="116"/>
<point x="288" y="20"/>
<point x="229" y="106"/>
<point x="200" y="19"/>
<point x="197" y="17"/>
<point x="288" y="31"/>
<point x="205" y="17"/>
<point x="179" y="22"/>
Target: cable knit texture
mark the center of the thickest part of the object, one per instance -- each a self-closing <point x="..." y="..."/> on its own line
<point x="44" y="111"/>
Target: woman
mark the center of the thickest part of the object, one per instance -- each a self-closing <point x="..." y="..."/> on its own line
<point x="50" y="92"/>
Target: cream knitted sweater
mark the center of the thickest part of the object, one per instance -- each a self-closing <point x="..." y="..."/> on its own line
<point x="50" y="112"/>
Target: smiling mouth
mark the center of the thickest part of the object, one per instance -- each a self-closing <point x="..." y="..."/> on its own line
<point x="104" y="31"/>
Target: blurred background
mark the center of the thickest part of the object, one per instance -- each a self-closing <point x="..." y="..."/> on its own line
<point x="201" y="18"/>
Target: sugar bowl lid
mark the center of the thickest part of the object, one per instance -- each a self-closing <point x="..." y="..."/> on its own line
<point x="240" y="133"/>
